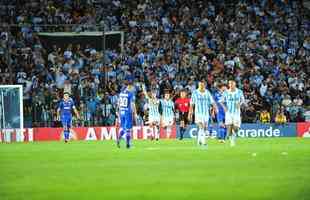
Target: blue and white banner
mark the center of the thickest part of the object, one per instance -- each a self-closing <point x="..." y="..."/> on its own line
<point x="254" y="130"/>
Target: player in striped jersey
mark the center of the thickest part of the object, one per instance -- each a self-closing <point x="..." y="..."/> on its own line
<point x="231" y="101"/>
<point x="153" y="111"/>
<point x="202" y="100"/>
<point x="167" y="112"/>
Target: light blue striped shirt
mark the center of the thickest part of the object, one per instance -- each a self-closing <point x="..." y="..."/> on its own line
<point x="202" y="102"/>
<point x="153" y="106"/>
<point x="232" y="100"/>
<point x="167" y="108"/>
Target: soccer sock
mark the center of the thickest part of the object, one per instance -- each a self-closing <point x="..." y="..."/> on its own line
<point x="156" y="132"/>
<point x="204" y="140"/>
<point x="168" y="131"/>
<point x="222" y="133"/>
<point x="181" y="133"/>
<point x="128" y="138"/>
<point x="7" y="137"/>
<point x="219" y="134"/>
<point x="66" y="134"/>
<point x="121" y="133"/>
<point x="233" y="138"/>
<point x="209" y="131"/>
<point x="229" y="133"/>
<point x="200" y="136"/>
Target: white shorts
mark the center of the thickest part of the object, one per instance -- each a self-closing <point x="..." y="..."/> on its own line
<point x="167" y="121"/>
<point x="204" y="119"/>
<point x="233" y="119"/>
<point x="154" y="119"/>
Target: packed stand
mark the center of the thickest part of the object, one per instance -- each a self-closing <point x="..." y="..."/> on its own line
<point x="263" y="45"/>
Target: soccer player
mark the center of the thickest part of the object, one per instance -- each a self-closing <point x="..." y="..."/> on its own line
<point x="167" y="112"/>
<point x="182" y="105"/>
<point x="126" y="112"/>
<point x="220" y="116"/>
<point x="153" y="111"/>
<point x="64" y="113"/>
<point x="202" y="101"/>
<point x="231" y="101"/>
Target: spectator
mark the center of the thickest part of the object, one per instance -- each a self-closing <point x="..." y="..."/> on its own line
<point x="264" y="116"/>
<point x="280" y="117"/>
<point x="265" y="45"/>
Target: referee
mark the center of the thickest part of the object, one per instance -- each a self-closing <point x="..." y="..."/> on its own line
<point x="182" y="105"/>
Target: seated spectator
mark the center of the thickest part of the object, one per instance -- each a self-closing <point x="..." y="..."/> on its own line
<point x="250" y="115"/>
<point x="264" y="116"/>
<point x="280" y="117"/>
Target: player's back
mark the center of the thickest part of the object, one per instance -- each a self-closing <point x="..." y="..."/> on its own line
<point x="125" y="100"/>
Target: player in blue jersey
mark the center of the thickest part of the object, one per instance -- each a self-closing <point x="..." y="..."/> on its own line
<point x="126" y="112"/>
<point x="153" y="111"/>
<point x="201" y="101"/>
<point x="64" y="114"/>
<point x="231" y="101"/>
<point x="167" y="113"/>
<point x="220" y="116"/>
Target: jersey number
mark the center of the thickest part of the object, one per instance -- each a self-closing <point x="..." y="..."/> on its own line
<point x="123" y="102"/>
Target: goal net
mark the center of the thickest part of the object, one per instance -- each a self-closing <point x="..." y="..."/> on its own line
<point x="11" y="112"/>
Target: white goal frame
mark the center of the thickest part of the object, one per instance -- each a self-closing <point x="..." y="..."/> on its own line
<point x="21" y="105"/>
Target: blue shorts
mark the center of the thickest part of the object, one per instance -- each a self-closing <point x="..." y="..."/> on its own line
<point x="126" y="122"/>
<point x="66" y="122"/>
<point x="220" y="118"/>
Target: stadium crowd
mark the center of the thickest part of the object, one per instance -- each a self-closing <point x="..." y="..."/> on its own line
<point x="263" y="45"/>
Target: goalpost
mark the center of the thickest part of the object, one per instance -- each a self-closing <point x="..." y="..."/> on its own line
<point x="11" y="112"/>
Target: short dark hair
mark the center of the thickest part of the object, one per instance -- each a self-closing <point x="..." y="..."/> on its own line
<point x="183" y="90"/>
<point x="167" y="91"/>
<point x="202" y="80"/>
<point x="220" y="85"/>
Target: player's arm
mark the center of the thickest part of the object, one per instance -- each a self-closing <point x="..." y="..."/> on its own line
<point x="160" y="108"/>
<point x="173" y="110"/>
<point x="191" y="108"/>
<point x="58" y="111"/>
<point x="222" y="102"/>
<point x="134" y="112"/>
<point x="145" y="92"/>
<point x="223" y="105"/>
<point x="58" y="114"/>
<point x="215" y="108"/>
<point x="117" y="113"/>
<point x="76" y="112"/>
<point x="117" y="120"/>
<point x="242" y="100"/>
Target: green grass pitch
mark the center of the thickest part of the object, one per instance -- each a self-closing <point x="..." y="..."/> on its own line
<point x="274" y="168"/>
